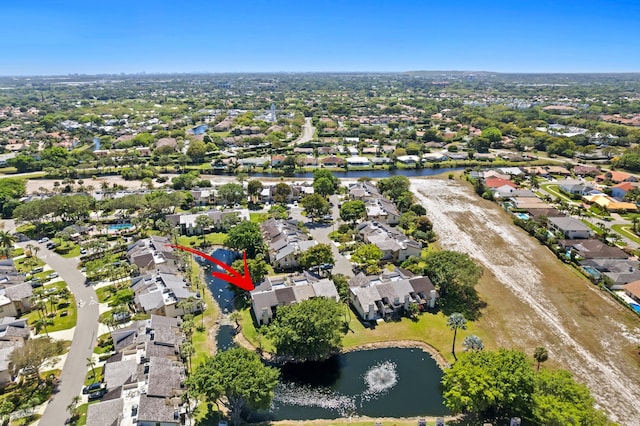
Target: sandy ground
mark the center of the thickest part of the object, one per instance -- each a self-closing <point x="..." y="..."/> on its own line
<point x="535" y="300"/>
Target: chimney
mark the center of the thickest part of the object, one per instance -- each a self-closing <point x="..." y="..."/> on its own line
<point x="370" y="315"/>
<point x="432" y="299"/>
<point x="406" y="302"/>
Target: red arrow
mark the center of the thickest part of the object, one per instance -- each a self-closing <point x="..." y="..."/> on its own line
<point x="234" y="277"/>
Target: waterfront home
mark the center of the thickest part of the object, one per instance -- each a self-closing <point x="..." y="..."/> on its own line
<point x="381" y="296"/>
<point x="275" y="291"/>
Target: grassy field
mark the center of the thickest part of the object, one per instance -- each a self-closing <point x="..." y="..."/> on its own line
<point x="214" y="238"/>
<point x="625" y="231"/>
<point x="258" y="217"/>
<point x="104" y="293"/>
<point x="60" y="321"/>
<point x="553" y="189"/>
<point x="202" y="339"/>
<point x="429" y="328"/>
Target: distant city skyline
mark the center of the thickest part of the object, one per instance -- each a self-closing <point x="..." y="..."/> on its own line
<point x="72" y="36"/>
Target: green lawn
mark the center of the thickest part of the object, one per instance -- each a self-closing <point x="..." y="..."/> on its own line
<point x="59" y="322"/>
<point x="89" y="378"/>
<point x="593" y="227"/>
<point x="68" y="249"/>
<point x="553" y="189"/>
<point x="201" y="336"/>
<point x="258" y="217"/>
<point x="214" y="238"/>
<point x="82" y="409"/>
<point x="23" y="264"/>
<point x="625" y="231"/>
<point x="104" y="293"/>
<point x="430" y="328"/>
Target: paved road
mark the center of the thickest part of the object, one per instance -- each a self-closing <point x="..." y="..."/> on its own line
<point x="307" y="132"/>
<point x="84" y="338"/>
<point x="321" y="234"/>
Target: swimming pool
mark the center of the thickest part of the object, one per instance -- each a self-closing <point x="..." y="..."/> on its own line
<point x="522" y="216"/>
<point x="591" y="271"/>
<point x="119" y="226"/>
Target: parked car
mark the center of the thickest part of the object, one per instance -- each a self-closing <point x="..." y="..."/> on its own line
<point x="43" y="240"/>
<point x="93" y="387"/>
<point x="52" y="275"/>
<point x="97" y="394"/>
<point x="51" y="245"/>
<point x="83" y="251"/>
<point x="36" y="270"/>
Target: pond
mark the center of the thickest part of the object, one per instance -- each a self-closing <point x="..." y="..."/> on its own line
<point x="390" y="382"/>
<point x="200" y="129"/>
<point x="219" y="288"/>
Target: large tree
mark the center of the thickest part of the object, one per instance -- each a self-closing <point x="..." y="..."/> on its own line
<point x="394" y="187"/>
<point x="309" y="330"/>
<point x="352" y="211"/>
<point x="281" y="192"/>
<point x="492" y="385"/>
<point x="316" y="206"/>
<point x="367" y="257"/>
<point x="245" y="236"/>
<point x="34" y="354"/>
<point x="231" y="193"/>
<point x="559" y="400"/>
<point x="196" y="151"/>
<point x="237" y="379"/>
<point x="325" y="176"/>
<point x="254" y="187"/>
<point x="323" y="186"/>
<point x="455" y="275"/>
<point x="317" y="255"/>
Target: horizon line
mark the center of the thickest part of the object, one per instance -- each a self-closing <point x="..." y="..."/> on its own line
<point x="138" y="73"/>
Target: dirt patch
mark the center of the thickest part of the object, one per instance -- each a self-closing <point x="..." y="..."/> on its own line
<point x="536" y="300"/>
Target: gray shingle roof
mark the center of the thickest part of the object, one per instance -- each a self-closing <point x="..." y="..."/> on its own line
<point x="105" y="413"/>
<point x="156" y="410"/>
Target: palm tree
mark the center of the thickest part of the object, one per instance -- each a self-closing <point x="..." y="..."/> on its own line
<point x="455" y="321"/>
<point x="28" y="250"/>
<point x="186" y="351"/>
<point x="540" y="354"/>
<point x="472" y="343"/>
<point x="73" y="408"/>
<point x="35" y="250"/>
<point x="91" y="363"/>
<point x="236" y="317"/>
<point x="6" y="242"/>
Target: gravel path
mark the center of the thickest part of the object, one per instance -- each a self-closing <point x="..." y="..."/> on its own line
<point x="465" y="223"/>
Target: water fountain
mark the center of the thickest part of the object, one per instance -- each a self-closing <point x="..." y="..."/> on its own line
<point x="379" y="379"/>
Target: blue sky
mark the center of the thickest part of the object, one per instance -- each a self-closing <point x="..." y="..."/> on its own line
<point x="110" y="36"/>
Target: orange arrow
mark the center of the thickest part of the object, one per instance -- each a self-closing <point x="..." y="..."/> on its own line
<point x="234" y="277"/>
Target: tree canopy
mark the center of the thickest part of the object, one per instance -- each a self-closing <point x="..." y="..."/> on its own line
<point x="351" y="211"/>
<point x="236" y="378"/>
<point x="231" y="193"/>
<point x="367" y="256"/>
<point x="493" y="384"/>
<point x="455" y="275"/>
<point x="245" y="236"/>
<point x="316" y="206"/>
<point x="309" y="330"/>
<point x="315" y="256"/>
<point x="394" y="187"/>
<point x="34" y="354"/>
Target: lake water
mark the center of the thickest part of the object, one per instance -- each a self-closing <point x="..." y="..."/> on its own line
<point x="219" y="288"/>
<point x="390" y="382"/>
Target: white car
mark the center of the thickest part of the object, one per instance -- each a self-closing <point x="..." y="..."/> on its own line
<point x="43" y="240"/>
<point x="52" y="275"/>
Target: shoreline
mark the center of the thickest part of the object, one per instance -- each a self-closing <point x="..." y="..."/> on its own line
<point x="425" y="347"/>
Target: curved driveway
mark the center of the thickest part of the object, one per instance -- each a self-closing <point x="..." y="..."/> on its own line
<point x="84" y="338"/>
